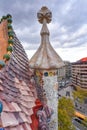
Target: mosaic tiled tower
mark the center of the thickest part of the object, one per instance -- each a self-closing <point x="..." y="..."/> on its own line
<point x="45" y="63"/>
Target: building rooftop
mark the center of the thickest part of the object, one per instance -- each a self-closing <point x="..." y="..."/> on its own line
<point x="17" y="88"/>
<point x="45" y="57"/>
<point x="83" y="59"/>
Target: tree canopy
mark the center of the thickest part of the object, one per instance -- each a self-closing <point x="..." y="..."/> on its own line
<point x="65" y="114"/>
<point x="80" y="93"/>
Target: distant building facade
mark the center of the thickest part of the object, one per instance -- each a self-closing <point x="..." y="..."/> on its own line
<point x="64" y="74"/>
<point x="61" y="73"/>
<point x="79" y="73"/>
<point x="67" y="69"/>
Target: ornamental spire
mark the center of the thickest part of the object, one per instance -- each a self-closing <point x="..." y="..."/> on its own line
<point x="45" y="57"/>
<point x="44" y="16"/>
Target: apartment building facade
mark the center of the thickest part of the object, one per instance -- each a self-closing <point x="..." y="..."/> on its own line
<point x="79" y="73"/>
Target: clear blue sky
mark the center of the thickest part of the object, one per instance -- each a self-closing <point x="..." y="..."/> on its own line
<point x="68" y="29"/>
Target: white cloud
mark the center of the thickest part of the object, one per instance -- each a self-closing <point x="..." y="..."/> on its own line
<point x="72" y="54"/>
<point x="30" y="53"/>
<point x="67" y="54"/>
<point x="53" y="26"/>
<point x="81" y="31"/>
<point x="67" y="7"/>
<point x="63" y="29"/>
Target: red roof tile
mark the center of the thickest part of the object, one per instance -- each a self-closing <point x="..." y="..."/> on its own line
<point x="83" y="59"/>
<point x="8" y="119"/>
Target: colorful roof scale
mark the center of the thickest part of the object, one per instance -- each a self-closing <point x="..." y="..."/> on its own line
<point x="17" y="88"/>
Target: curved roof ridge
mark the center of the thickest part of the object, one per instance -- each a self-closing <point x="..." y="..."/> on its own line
<point x="17" y="89"/>
<point x="6" y="39"/>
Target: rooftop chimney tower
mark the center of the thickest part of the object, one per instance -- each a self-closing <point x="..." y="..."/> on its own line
<point x="45" y="63"/>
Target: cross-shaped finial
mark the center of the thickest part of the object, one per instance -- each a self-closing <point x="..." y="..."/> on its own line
<point x="44" y="13"/>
